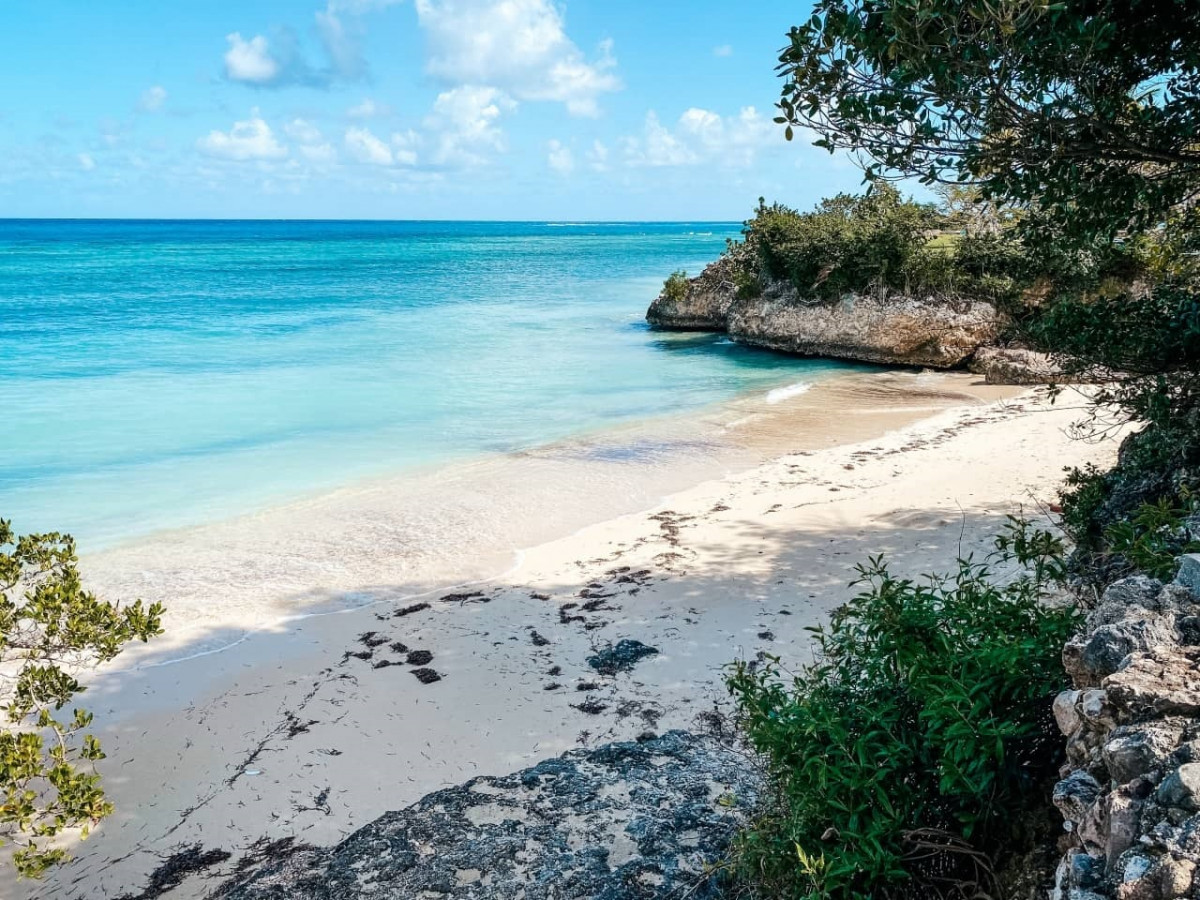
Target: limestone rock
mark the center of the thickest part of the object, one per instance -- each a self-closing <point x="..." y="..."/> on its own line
<point x="1106" y="648"/>
<point x="1134" y="751"/>
<point x="619" y="822"/>
<point x="1123" y="812"/>
<point x="1163" y="681"/>
<point x="1065" y="713"/>
<point x="705" y="305"/>
<point x="1010" y="365"/>
<point x="1075" y="794"/>
<point x="1123" y="598"/>
<point x="1175" y="877"/>
<point x="894" y="329"/>
<point x="1181" y="788"/>
<point x="1189" y="572"/>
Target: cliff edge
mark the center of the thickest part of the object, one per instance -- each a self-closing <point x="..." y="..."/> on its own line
<point x="889" y="328"/>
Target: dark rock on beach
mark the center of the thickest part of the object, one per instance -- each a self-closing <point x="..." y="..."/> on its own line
<point x="624" y="821"/>
<point x="621" y="657"/>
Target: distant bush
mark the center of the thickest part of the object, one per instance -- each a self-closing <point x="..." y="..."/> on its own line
<point x="878" y="241"/>
<point x="847" y="243"/>
<point x="900" y="755"/>
<point x="675" y="288"/>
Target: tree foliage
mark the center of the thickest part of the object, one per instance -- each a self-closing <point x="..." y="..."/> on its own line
<point x="51" y="628"/>
<point x="848" y="243"/>
<point x="905" y="750"/>
<point x="1087" y="109"/>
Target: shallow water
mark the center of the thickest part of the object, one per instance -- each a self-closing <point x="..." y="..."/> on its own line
<point x="163" y="374"/>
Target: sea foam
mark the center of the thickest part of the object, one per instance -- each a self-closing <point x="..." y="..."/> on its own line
<point x="787" y="393"/>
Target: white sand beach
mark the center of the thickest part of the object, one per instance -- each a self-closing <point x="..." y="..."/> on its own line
<point x="295" y="710"/>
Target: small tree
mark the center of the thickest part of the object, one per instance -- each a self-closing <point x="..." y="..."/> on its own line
<point x="50" y="628"/>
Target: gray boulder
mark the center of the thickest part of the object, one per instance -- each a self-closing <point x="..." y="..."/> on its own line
<point x="1075" y="794"/>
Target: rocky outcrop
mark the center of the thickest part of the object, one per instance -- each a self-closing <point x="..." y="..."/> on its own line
<point x="705" y="304"/>
<point x="1130" y="792"/>
<point x="1016" y="365"/>
<point x="625" y="821"/>
<point x="894" y="329"/>
<point x="1011" y="365"/>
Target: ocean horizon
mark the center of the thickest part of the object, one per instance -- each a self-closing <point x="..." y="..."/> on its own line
<point x="166" y="373"/>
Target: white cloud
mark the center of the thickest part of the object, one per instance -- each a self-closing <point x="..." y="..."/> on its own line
<point x="303" y="131"/>
<point x="404" y="148"/>
<point x="248" y="139"/>
<point x="463" y="124"/>
<point x="701" y="135"/>
<point x="560" y="158"/>
<point x="598" y="156"/>
<point x="86" y="162"/>
<point x="364" y="147"/>
<point x="251" y="60"/>
<point x="518" y="46"/>
<point x="723" y="50"/>
<point x="657" y="146"/>
<point x="313" y="145"/>
<point x="153" y="98"/>
<point x="282" y="60"/>
<point x="733" y="140"/>
<point x="319" y="153"/>
<point x="368" y="109"/>
<point x="343" y="45"/>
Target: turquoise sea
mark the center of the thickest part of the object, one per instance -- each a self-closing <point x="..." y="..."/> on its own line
<point x="156" y="374"/>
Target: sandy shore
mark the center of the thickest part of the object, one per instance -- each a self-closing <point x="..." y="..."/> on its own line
<point x="312" y="727"/>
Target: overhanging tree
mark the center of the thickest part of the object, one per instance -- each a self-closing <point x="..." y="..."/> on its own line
<point x="1088" y="109"/>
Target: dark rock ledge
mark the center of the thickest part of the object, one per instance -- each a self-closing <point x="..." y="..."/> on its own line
<point x="618" y="822"/>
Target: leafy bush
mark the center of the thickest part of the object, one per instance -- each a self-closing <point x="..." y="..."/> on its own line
<point x="1146" y="346"/>
<point x="1151" y="540"/>
<point x="847" y="243"/>
<point x="879" y="241"/>
<point x="50" y="627"/>
<point x="917" y="733"/>
<point x="675" y="288"/>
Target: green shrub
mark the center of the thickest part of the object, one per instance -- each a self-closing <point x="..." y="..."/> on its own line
<point x="50" y="628"/>
<point x="907" y="747"/>
<point x="1153" y="538"/>
<point x="1145" y="346"/>
<point x="847" y="243"/>
<point x="748" y="286"/>
<point x="675" y="288"/>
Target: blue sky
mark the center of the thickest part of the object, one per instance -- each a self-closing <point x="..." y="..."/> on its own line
<point x="489" y="109"/>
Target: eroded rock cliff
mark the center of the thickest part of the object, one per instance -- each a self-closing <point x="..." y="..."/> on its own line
<point x="1130" y="792"/>
<point x="894" y="329"/>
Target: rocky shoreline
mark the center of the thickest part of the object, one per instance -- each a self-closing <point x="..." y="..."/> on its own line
<point x="633" y="820"/>
<point x="1130" y="792"/>
<point x="889" y="328"/>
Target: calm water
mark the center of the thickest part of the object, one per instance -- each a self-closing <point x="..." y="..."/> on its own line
<point x="157" y="374"/>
